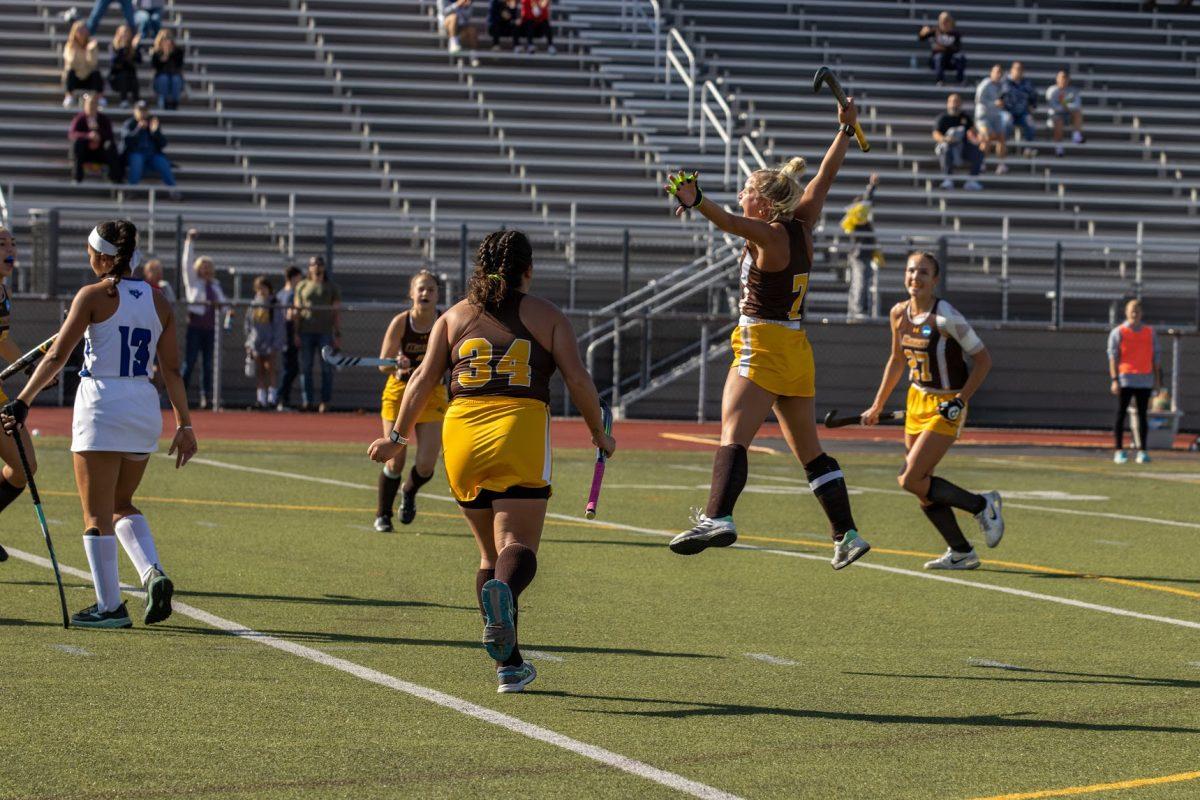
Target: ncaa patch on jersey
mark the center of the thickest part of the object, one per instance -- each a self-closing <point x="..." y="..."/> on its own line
<point x="926" y="330"/>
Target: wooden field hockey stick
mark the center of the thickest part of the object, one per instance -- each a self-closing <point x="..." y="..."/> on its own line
<point x="598" y="473"/>
<point x="340" y="360"/>
<point x="832" y="420"/>
<point x="41" y="515"/>
<point x="32" y="357"/>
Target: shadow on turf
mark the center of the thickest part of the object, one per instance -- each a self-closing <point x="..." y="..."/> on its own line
<point x="328" y="599"/>
<point x="699" y="709"/>
<point x="1087" y="678"/>
<point x="1098" y="575"/>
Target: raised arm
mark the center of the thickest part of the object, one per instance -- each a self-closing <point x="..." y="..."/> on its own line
<point x="686" y="190"/>
<point x="188" y="268"/>
<point x="818" y="188"/>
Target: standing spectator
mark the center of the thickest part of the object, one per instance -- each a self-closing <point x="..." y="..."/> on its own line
<point x="1064" y="103"/>
<point x="945" y="44"/>
<point x="101" y="6"/>
<point x="291" y="353"/>
<point x="1135" y="366"/>
<point x="92" y="141"/>
<point x="149" y="18"/>
<point x="858" y="225"/>
<point x="535" y="22"/>
<point x="957" y="142"/>
<point x="81" y="54"/>
<point x="204" y="295"/>
<point x="1020" y="100"/>
<point x="458" y="26"/>
<point x="504" y="19"/>
<point x="993" y="121"/>
<point x="144" y="143"/>
<point x="265" y="332"/>
<point x="122" y="66"/>
<point x="167" y="59"/>
<point x="318" y="301"/>
<point x="152" y="273"/>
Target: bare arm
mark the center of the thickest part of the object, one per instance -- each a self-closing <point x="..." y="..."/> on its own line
<point x="188" y="267"/>
<point x="391" y="341"/>
<point x="769" y="237"/>
<point x="183" y="445"/>
<point x="891" y="374"/>
<point x="72" y="330"/>
<point x="421" y="384"/>
<point x="9" y="350"/>
<point x="565" y="349"/>
<point x="818" y="188"/>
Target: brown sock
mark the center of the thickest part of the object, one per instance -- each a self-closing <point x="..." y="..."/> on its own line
<point x="942" y="517"/>
<point x="829" y="487"/>
<point x="944" y="492"/>
<point x="516" y="565"/>
<point x="730" y="467"/>
<point x="387" y="494"/>
<point x="416" y="480"/>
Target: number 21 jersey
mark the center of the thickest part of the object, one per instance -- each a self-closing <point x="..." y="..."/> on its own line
<point x="125" y="344"/>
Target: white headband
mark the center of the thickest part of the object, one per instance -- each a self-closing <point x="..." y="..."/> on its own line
<point x="101" y="245"/>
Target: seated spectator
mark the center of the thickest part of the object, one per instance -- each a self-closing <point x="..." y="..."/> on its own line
<point x="101" y="6"/>
<point x="81" y="54"/>
<point x="152" y="273"/>
<point x="92" y="141"/>
<point x="458" y="26"/>
<point x="1020" y="100"/>
<point x="1064" y="103"/>
<point x="168" y="70"/>
<point x="945" y="44"/>
<point x="148" y="18"/>
<point x="265" y="334"/>
<point x="535" y="22"/>
<point x="504" y="19"/>
<point x="957" y="143"/>
<point x="144" y="143"/>
<point x="122" y="66"/>
<point x="993" y="121"/>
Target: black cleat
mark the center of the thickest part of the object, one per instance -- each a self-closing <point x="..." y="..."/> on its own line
<point x="93" y="617"/>
<point x="408" y="507"/>
<point x="383" y="524"/>
<point x="159" y="591"/>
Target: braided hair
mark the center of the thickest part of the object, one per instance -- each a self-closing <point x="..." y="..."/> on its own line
<point x="500" y="264"/>
<point x="122" y="234"/>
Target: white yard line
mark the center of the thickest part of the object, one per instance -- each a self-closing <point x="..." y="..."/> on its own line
<point x="541" y="655"/>
<point x="467" y="708"/>
<point x="775" y="660"/>
<point x="987" y="662"/>
<point x="70" y="648"/>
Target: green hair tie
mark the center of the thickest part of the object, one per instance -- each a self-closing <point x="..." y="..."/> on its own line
<point x="495" y="277"/>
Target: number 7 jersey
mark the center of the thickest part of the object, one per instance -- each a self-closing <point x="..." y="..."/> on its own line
<point x="126" y="344"/>
<point x="496" y="355"/>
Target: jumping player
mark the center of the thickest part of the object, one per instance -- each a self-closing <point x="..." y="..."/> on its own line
<point x="772" y="360"/>
<point x="931" y="337"/>
<point x="407" y="338"/>
<point x="125" y="327"/>
<point x="503" y="346"/>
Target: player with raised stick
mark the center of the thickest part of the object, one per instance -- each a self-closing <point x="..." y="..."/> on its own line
<point x="406" y="340"/>
<point x="932" y="337"/>
<point x="772" y="359"/>
<point x="116" y="423"/>
<point x="502" y="345"/>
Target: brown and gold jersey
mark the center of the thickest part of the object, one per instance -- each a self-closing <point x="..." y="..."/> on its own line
<point x="5" y="313"/>
<point x="413" y="345"/>
<point x="779" y="296"/>
<point x="497" y="355"/>
<point x="934" y="344"/>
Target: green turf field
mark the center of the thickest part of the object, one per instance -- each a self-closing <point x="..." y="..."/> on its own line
<point x="754" y="672"/>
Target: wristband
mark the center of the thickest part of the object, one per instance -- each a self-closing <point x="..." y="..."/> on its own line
<point x="397" y="438"/>
<point x="847" y="129"/>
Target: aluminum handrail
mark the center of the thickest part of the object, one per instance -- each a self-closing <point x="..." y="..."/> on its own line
<point x="746" y="145"/>
<point x="688" y="76"/>
<point x="726" y="132"/>
<point x="653" y="22"/>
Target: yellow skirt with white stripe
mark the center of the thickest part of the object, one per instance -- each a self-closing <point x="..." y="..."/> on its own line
<point x="393" y="393"/>
<point x="496" y="443"/>
<point x="777" y="358"/>
<point x="921" y="414"/>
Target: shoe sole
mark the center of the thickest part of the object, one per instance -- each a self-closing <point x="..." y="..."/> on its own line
<point x="124" y="622"/>
<point x="855" y="555"/>
<point x="514" y="688"/>
<point x="408" y="510"/>
<point x="158" y="600"/>
<point x="499" y="633"/>
<point x="999" y="504"/>
<point x="953" y="568"/>
<point x="696" y="544"/>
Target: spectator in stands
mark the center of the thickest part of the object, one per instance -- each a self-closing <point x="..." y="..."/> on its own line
<point x="81" y="55"/>
<point x="144" y="143"/>
<point x="168" y="70"/>
<point x="992" y="120"/>
<point x="149" y="18"/>
<point x="265" y="332"/>
<point x="1020" y="100"/>
<point x="957" y="143"/>
<point x="291" y="352"/>
<point x="535" y="22"/>
<point x="204" y="296"/>
<point x="122" y="66"/>
<point x="1135" y="366"/>
<point x="945" y="44"/>
<point x="1064" y="103"/>
<point x="92" y="141"/>
<point x="504" y="19"/>
<point x="318" y="303"/>
<point x="152" y="273"/>
<point x="458" y="26"/>
<point x="101" y="6"/>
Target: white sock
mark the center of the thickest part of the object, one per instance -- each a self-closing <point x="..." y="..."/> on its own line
<point x="102" y="558"/>
<point x="261" y="396"/>
<point x="387" y="473"/>
<point x="135" y="536"/>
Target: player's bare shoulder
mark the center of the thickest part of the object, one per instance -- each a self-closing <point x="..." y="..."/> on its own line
<point x="541" y="316"/>
<point x="897" y="312"/>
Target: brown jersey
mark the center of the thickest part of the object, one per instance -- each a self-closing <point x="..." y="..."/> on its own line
<point x="779" y="295"/>
<point x="934" y="345"/>
<point x="5" y="313"/>
<point x="412" y="346"/>
<point x="495" y="354"/>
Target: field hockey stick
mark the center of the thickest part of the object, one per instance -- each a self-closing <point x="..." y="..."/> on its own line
<point x="339" y="360"/>
<point x="832" y="420"/>
<point x="825" y="76"/>
<point x="41" y="515"/>
<point x="32" y="357"/>
<point x="598" y="474"/>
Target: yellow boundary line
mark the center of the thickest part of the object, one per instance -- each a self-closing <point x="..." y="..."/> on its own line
<point x="713" y="440"/>
<point x="1071" y="791"/>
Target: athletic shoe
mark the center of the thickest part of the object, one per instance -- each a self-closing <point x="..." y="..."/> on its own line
<point x="3" y="554"/>
<point x="1001" y="168"/>
<point x="159" y="590"/>
<point x="383" y="524"/>
<point x="1142" y="457"/>
<point x="948" y="183"/>
<point x="93" y="617"/>
<point x="499" y="629"/>
<point x="453" y="45"/>
<point x="1077" y="137"/>
<point x="1059" y="152"/>
<point x="515" y="679"/>
<point x="991" y="523"/>
<point x="973" y="186"/>
<point x="1119" y="457"/>
<point x="953" y="560"/>
<point x="408" y="507"/>
<point x="851" y="548"/>
<point x="706" y="533"/>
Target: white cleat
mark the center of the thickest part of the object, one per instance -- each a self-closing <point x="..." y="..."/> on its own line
<point x="1119" y="457"/>
<point x="953" y="560"/>
<point x="707" y="533"/>
<point x="851" y="548"/>
<point x="1142" y="457"/>
<point x="991" y="520"/>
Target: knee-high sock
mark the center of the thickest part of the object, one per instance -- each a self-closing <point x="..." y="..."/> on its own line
<point x="389" y="484"/>
<point x="942" y="517"/>
<point x="730" y="467"/>
<point x="134" y="534"/>
<point x="944" y="492"/>
<point x="828" y="484"/>
<point x="516" y="565"/>
<point x="8" y="493"/>
<point x="102" y="558"/>
<point x="416" y="480"/>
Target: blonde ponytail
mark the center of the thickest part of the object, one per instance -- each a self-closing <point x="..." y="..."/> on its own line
<point x="781" y="187"/>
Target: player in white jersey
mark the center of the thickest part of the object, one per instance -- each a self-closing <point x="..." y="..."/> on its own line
<point x="126" y="328"/>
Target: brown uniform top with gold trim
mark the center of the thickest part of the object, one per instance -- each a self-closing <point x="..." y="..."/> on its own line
<point x="497" y="355"/>
<point x="412" y="346"/>
<point x="5" y="312"/>
<point x="934" y="345"/>
<point x="779" y="295"/>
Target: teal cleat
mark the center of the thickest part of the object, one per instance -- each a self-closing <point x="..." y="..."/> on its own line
<point x="93" y="617"/>
<point x="515" y="679"/>
<point x="499" y="630"/>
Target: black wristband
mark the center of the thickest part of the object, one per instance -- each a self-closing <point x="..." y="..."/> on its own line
<point x="847" y="129"/>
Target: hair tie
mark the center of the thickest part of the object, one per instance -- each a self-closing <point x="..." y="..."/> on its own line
<point x="495" y="276"/>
